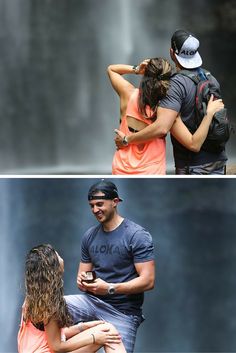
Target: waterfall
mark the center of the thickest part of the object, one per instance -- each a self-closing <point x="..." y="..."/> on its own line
<point x="12" y="244"/>
<point x="58" y="110"/>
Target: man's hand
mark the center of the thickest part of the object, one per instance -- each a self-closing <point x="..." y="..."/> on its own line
<point x="98" y="287"/>
<point x="119" y="139"/>
<point x="81" y="276"/>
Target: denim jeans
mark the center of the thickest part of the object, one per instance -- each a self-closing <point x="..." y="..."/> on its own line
<point x="85" y="307"/>
<point x="215" y="168"/>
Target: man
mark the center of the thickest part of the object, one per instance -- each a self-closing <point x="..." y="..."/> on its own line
<point x="180" y="100"/>
<point x="121" y="254"/>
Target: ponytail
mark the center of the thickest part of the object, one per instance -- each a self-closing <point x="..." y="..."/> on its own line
<point x="153" y="86"/>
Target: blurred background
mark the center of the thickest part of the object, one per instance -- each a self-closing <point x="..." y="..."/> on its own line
<point x="192" y="221"/>
<point x="58" y="110"/>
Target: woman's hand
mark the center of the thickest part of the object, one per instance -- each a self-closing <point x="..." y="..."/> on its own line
<point x="214" y="106"/>
<point x="105" y="335"/>
<point x="107" y="338"/>
<point x="142" y="66"/>
<point x="85" y="325"/>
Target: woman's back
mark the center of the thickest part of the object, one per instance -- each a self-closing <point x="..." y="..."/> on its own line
<point x="32" y="340"/>
<point x="148" y="158"/>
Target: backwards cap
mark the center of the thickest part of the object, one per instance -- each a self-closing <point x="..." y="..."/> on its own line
<point x="185" y="46"/>
<point x="108" y="188"/>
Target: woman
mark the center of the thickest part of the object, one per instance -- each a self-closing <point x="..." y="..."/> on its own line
<point x="138" y="109"/>
<point x="45" y="318"/>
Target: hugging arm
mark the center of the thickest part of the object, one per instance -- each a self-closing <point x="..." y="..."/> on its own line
<point x="195" y="141"/>
<point x="158" y="129"/>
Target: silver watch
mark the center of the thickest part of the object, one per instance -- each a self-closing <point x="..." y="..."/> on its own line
<point x="136" y="69"/>
<point x="125" y="141"/>
<point x="111" y="290"/>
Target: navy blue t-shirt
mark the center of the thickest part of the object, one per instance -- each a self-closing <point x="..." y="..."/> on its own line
<point x="113" y="255"/>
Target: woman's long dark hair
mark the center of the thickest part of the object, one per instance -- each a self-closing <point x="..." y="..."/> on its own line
<point x="154" y="86"/>
<point x="44" y="287"/>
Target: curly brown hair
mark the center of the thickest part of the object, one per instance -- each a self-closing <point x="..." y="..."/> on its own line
<point x="154" y="85"/>
<point x="44" y="287"/>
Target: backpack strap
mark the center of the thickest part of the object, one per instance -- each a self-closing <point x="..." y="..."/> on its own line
<point x="197" y="76"/>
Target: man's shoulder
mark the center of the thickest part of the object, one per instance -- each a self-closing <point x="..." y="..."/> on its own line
<point x="181" y="77"/>
<point x="180" y="80"/>
<point x="133" y="228"/>
<point x="181" y="88"/>
<point x="91" y="231"/>
<point x="132" y="225"/>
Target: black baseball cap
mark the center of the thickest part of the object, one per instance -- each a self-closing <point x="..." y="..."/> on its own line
<point x="108" y="188"/>
<point x="185" y="46"/>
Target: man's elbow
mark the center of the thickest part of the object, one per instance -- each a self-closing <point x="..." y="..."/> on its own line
<point x="151" y="284"/>
<point x="56" y="348"/>
<point x="194" y="148"/>
<point x="161" y="131"/>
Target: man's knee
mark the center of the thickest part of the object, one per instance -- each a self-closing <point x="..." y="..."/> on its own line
<point x="73" y="299"/>
<point x="68" y="298"/>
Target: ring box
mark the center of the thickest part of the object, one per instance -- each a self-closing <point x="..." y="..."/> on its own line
<point x="90" y="276"/>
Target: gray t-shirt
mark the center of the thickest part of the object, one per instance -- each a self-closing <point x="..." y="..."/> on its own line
<point x="181" y="98"/>
<point x="113" y="255"/>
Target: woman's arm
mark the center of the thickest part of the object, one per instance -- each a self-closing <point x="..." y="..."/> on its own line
<point x="54" y="339"/>
<point x="81" y="326"/>
<point x="94" y="337"/>
<point x="119" y="83"/>
<point x="194" y="142"/>
<point x="122" y="86"/>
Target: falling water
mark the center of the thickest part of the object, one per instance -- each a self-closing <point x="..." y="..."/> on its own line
<point x="4" y="269"/>
<point x="58" y="110"/>
<point x="12" y="248"/>
<point x="194" y="245"/>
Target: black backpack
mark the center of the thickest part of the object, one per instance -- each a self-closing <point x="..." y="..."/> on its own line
<point x="220" y="128"/>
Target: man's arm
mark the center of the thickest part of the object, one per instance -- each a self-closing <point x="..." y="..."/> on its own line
<point x="160" y="128"/>
<point x="144" y="282"/>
